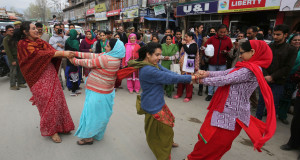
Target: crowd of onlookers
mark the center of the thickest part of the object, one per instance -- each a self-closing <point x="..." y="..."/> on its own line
<point x="280" y="75"/>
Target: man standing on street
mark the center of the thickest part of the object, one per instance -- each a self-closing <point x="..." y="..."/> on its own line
<point x="44" y="36"/>
<point x="16" y="78"/>
<point x="122" y="34"/>
<point x="222" y="45"/>
<point x="199" y="39"/>
<point x="284" y="56"/>
<point x="57" y="41"/>
<point x="251" y="33"/>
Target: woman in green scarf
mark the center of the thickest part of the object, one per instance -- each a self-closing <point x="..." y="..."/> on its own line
<point x="169" y="56"/>
<point x="99" y="45"/>
<point x="72" y="72"/>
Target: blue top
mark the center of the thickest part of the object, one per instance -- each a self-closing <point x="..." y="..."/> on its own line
<point x="152" y="81"/>
<point x="198" y="40"/>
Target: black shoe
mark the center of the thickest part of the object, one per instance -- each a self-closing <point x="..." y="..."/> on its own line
<point x="284" y="121"/>
<point x="199" y="93"/>
<point x="286" y="147"/>
<point x="208" y="98"/>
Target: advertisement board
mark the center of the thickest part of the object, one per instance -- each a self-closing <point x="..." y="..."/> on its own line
<point x="290" y="5"/>
<point x="196" y="8"/>
<point x="226" y="6"/>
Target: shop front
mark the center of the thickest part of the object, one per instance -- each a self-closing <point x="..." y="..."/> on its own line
<point x="112" y="16"/>
<point x="291" y="11"/>
<point x="205" y="12"/>
<point x="241" y="14"/>
<point x="102" y="21"/>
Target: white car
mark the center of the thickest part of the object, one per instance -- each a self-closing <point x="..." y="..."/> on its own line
<point x="78" y="28"/>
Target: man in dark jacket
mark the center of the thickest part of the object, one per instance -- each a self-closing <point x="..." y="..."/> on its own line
<point x="222" y="45"/>
<point x="284" y="56"/>
<point x="122" y="35"/>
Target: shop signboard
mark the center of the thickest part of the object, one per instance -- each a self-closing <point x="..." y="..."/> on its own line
<point x="113" y="13"/>
<point x="158" y="2"/>
<point x="100" y="8"/>
<point x="159" y="10"/>
<point x="90" y="12"/>
<point x="81" y="20"/>
<point x="195" y="8"/>
<point x="100" y="16"/>
<point x="72" y="15"/>
<point x="226" y="6"/>
<point x="92" y="5"/>
<point x="130" y="12"/>
<point x="290" y="5"/>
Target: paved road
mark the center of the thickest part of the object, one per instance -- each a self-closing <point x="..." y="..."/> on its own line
<point x="124" y="138"/>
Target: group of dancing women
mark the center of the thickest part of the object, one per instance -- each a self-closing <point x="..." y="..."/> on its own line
<point x="39" y="63"/>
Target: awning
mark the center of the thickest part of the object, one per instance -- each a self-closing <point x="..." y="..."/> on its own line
<point x="158" y="19"/>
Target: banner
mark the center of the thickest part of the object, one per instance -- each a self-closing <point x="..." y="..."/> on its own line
<point x="159" y="10"/>
<point x="100" y="8"/>
<point x="130" y="12"/>
<point x="113" y="13"/>
<point x="290" y="5"/>
<point x="196" y="8"/>
<point x="100" y="16"/>
<point x="90" y="12"/>
<point x="158" y="2"/>
<point x="226" y="6"/>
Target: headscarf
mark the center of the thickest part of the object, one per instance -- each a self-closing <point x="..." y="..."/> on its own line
<point x="72" y="41"/>
<point x="128" y="47"/>
<point x="258" y="131"/>
<point x="118" y="51"/>
<point x="297" y="62"/>
<point x="92" y="40"/>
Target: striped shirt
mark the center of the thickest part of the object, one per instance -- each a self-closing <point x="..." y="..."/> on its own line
<point x="103" y="74"/>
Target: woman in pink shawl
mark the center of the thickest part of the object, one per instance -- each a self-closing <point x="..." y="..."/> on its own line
<point x="133" y="83"/>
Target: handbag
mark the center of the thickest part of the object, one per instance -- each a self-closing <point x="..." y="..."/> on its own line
<point x="175" y="68"/>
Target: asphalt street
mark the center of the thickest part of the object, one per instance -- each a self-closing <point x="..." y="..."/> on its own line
<point x="124" y="138"/>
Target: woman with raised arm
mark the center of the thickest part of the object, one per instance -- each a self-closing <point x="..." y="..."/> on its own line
<point x="39" y="63"/>
<point x="100" y="91"/>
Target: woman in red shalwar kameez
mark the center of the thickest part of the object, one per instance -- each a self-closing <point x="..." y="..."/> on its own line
<point x="39" y="63"/>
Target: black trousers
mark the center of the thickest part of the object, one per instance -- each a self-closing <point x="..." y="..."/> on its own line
<point x="294" y="140"/>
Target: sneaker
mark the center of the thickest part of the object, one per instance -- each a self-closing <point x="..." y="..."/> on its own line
<point x="284" y="121"/>
<point x="73" y="94"/>
<point x="287" y="147"/>
<point x="22" y="86"/>
<point x="199" y="93"/>
<point x="77" y="92"/>
<point x="14" y="88"/>
<point x="208" y="98"/>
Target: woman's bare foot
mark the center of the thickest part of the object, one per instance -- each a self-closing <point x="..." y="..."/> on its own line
<point x="55" y="138"/>
<point x="174" y="145"/>
<point x="85" y="141"/>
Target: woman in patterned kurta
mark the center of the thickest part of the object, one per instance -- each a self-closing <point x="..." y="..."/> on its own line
<point x="229" y="110"/>
<point x="39" y="63"/>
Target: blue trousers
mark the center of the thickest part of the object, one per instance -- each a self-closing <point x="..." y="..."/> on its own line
<point x="277" y="91"/>
<point x="212" y="89"/>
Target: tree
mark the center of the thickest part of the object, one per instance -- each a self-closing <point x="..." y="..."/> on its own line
<point x="38" y="10"/>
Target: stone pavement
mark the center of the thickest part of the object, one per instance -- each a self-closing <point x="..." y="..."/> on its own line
<point x="124" y="138"/>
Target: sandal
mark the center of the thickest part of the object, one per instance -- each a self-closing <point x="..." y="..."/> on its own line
<point x="176" y="97"/>
<point x="84" y="142"/>
<point x="186" y="100"/>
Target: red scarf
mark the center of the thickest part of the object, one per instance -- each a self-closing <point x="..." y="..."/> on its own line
<point x="90" y="41"/>
<point x="34" y="57"/>
<point x="258" y="132"/>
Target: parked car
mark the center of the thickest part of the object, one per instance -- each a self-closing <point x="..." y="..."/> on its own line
<point x="78" y="28"/>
